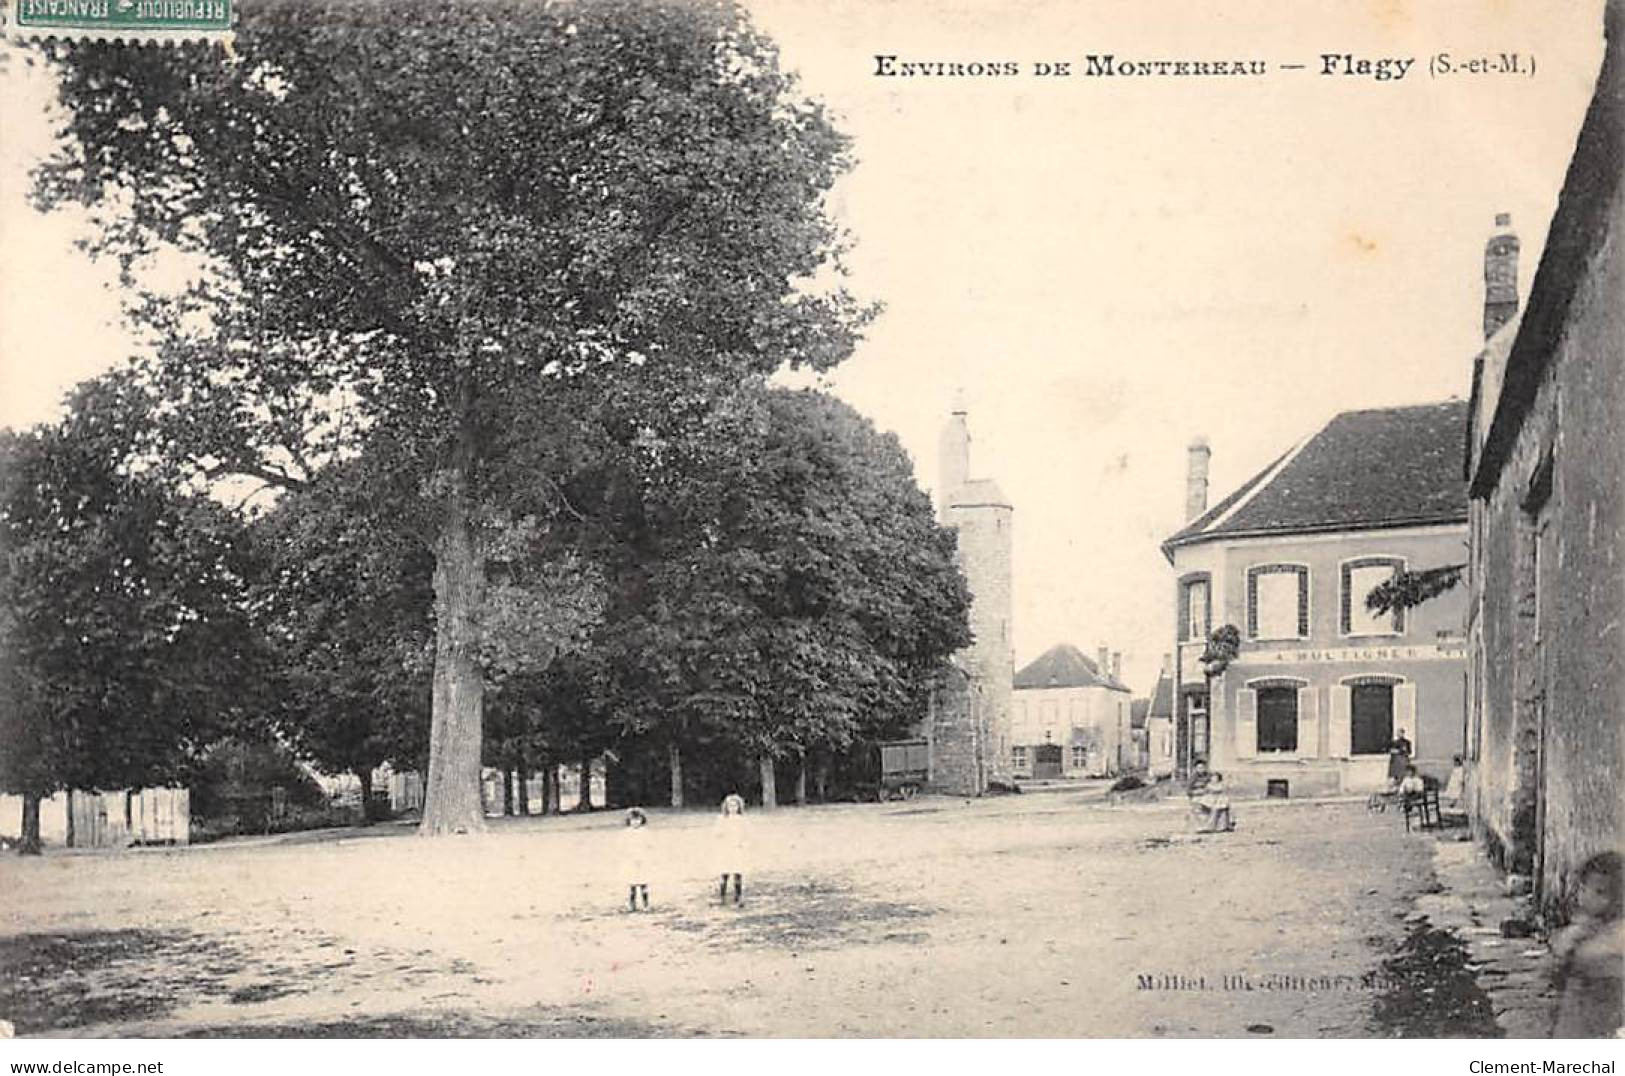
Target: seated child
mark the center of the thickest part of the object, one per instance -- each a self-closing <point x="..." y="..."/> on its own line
<point x="1216" y="801"/>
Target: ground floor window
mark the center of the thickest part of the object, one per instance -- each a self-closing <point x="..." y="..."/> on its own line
<point x="1278" y="719"/>
<point x="1080" y="757"/>
<point x="1371" y="719"/>
<point x="1018" y="757"/>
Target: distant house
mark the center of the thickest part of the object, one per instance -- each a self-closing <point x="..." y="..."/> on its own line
<point x="1159" y="722"/>
<point x="1546" y="579"/>
<point x="1070" y="716"/>
<point x="1322" y="687"/>
<point x="1136" y="758"/>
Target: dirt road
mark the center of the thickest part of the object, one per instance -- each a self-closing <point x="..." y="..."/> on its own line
<point x="1037" y="915"/>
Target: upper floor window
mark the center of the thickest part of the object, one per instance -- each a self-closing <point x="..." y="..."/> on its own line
<point x="1278" y="601"/>
<point x="1360" y="577"/>
<point x="1195" y="607"/>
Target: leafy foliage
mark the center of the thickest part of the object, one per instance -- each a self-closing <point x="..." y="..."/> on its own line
<point x="123" y="613"/>
<point x="473" y="239"/>
<point x="1223" y="645"/>
<point x="802" y="596"/>
<point x="1407" y="590"/>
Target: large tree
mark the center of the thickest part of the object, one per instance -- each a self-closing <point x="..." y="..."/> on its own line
<point x="124" y="625"/>
<point x="799" y="598"/>
<point x="450" y="229"/>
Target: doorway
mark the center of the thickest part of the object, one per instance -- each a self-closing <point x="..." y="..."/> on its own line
<point x="1047" y="760"/>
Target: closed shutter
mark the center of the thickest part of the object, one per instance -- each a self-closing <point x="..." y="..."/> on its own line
<point x="1246" y="723"/>
<point x="1405" y="715"/>
<point x="1308" y="723"/>
<point x="1340" y="739"/>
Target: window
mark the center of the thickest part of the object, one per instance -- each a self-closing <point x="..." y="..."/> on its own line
<point x="1080" y="757"/>
<point x="1278" y="601"/>
<point x="1195" y="608"/>
<point x="1018" y="757"/>
<point x="1372" y="719"/>
<point x="1278" y="719"/>
<point x="1359" y="578"/>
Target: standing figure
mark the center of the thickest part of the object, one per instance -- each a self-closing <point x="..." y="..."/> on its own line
<point x="635" y="849"/>
<point x="1590" y="955"/>
<point x="1196" y="792"/>
<point x="1399" y="759"/>
<point x="732" y="847"/>
<point x="1216" y="801"/>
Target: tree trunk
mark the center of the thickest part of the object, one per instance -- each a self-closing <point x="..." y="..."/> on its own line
<point x="67" y="810"/>
<point x="821" y="777"/>
<point x="770" y="785"/>
<point x="801" y="781"/>
<point x="584" y="803"/>
<point x="452" y="798"/>
<point x="364" y="775"/>
<point x="31" y="844"/>
<point x="522" y="768"/>
<point x="674" y="759"/>
<point x="550" y="788"/>
<point x="507" y="791"/>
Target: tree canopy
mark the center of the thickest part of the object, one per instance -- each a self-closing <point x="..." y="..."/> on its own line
<point x="460" y="239"/>
<point x="124" y="614"/>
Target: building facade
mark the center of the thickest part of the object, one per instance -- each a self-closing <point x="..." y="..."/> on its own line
<point x="969" y="727"/>
<point x="1159" y="722"/>
<point x="1546" y="577"/>
<point x="1321" y="688"/>
<point x="1070" y="716"/>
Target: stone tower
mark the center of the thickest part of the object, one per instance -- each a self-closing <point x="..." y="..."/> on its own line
<point x="971" y="724"/>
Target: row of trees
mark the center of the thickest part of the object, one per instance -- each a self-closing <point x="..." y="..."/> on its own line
<point x="794" y="598"/>
<point x="484" y="298"/>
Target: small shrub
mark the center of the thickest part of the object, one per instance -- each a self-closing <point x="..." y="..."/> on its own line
<point x="1127" y="783"/>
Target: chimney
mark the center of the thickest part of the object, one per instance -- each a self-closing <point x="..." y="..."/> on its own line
<point x="1117" y="665"/>
<point x="1167" y="666"/>
<point x="1103" y="661"/>
<point x="1500" y="275"/>
<point x="1197" y="456"/>
<point x="953" y="456"/>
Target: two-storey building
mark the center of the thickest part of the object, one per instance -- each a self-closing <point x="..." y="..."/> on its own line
<point x="1070" y="716"/>
<point x="1321" y="687"/>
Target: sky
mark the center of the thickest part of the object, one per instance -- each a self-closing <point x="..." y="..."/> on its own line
<point x="1103" y="267"/>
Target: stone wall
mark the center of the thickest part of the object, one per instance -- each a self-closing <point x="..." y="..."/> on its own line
<point x="1548" y="585"/>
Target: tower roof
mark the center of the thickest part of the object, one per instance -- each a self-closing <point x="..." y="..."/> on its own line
<point x="978" y="492"/>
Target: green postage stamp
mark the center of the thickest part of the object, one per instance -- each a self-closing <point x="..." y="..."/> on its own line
<point x="141" y="21"/>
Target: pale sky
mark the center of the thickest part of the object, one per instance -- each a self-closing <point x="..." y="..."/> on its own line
<point x="1105" y="266"/>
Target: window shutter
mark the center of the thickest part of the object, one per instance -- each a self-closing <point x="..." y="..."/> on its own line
<point x="1405" y="715"/>
<point x="1246" y="723"/>
<point x="1303" y="603"/>
<point x="1340" y="739"/>
<point x="1308" y="723"/>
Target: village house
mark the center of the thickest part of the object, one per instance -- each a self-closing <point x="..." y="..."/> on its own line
<point x="1070" y="716"/>
<point x="1546" y="575"/>
<point x="1321" y="688"/>
<point x="1159" y="722"/>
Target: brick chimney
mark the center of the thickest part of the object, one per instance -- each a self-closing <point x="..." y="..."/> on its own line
<point x="1167" y="666"/>
<point x="1103" y="661"/>
<point x="1500" y="275"/>
<point x="1117" y="665"/>
<point x="1197" y="456"/>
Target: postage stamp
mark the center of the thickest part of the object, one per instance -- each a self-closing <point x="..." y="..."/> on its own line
<point x="139" y="21"/>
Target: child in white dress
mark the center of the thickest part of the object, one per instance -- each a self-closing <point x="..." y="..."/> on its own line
<point x="732" y="847"/>
<point x="635" y="849"/>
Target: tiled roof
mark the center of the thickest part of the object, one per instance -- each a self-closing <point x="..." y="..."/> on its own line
<point x="1387" y="467"/>
<point x="1065" y="666"/>
<point x="1136" y="713"/>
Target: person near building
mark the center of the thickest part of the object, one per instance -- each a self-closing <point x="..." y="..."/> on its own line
<point x="1455" y="787"/>
<point x="1589" y="955"/>
<point x="732" y="847"/>
<point x="1216" y="802"/>
<point x="1196" y="792"/>
<point x="1399" y="759"/>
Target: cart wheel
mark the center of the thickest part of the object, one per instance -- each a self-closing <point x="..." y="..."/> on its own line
<point x="908" y="791"/>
